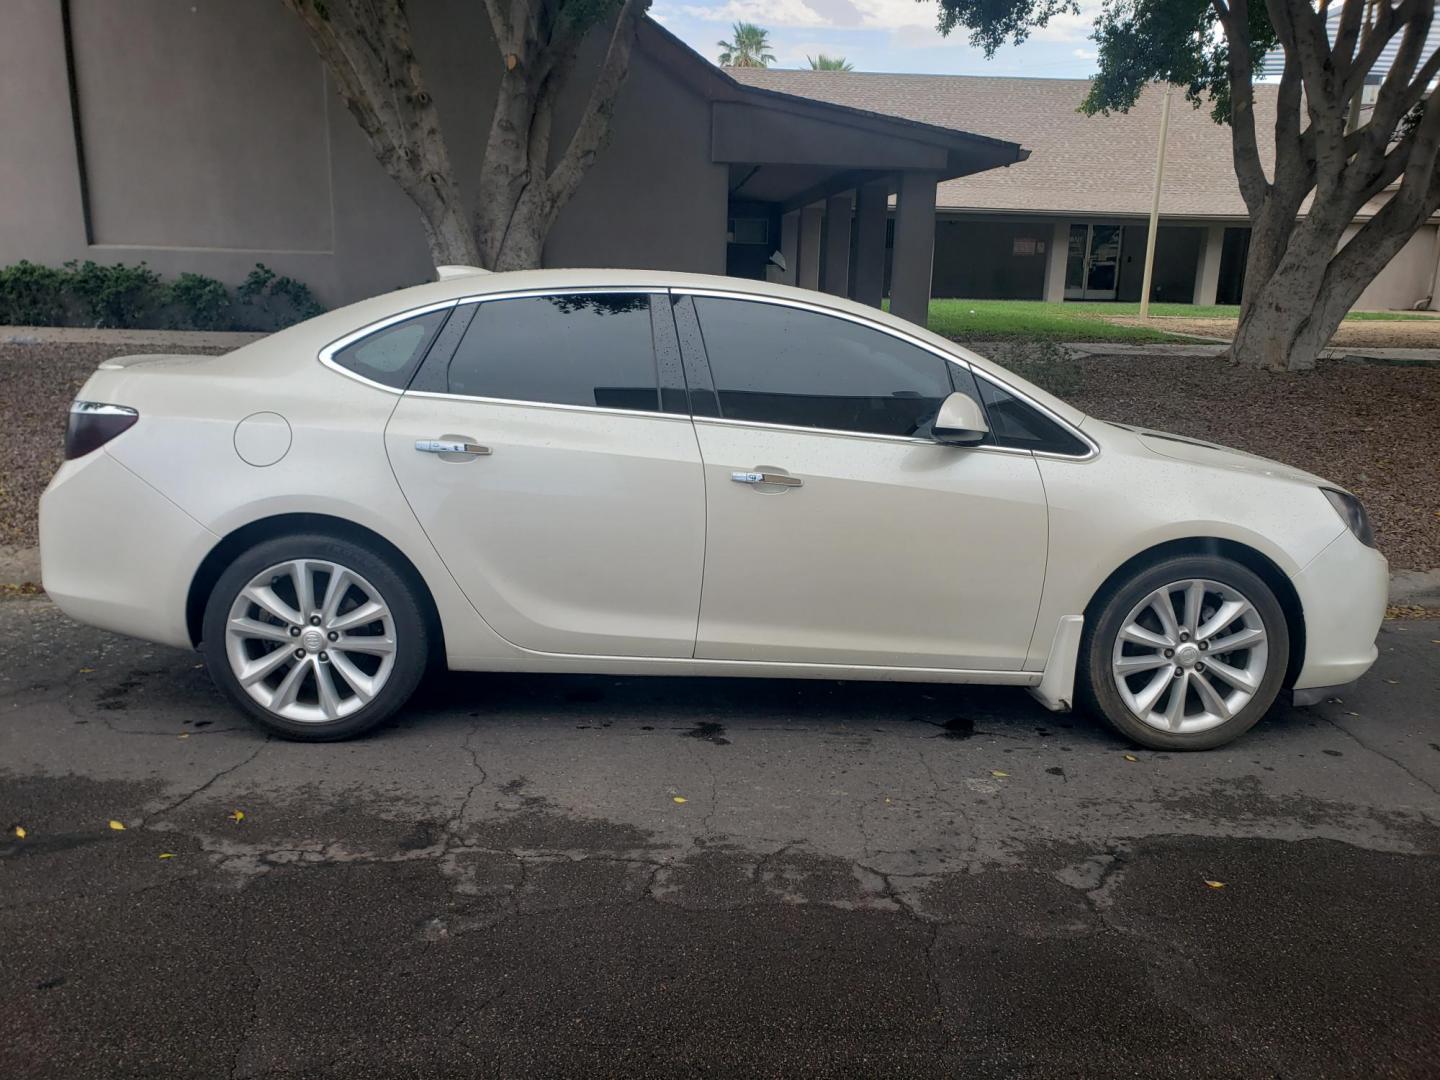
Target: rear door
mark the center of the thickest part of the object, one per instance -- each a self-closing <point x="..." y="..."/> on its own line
<point x="555" y="469"/>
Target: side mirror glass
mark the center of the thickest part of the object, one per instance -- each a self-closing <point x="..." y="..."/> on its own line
<point x="960" y="421"/>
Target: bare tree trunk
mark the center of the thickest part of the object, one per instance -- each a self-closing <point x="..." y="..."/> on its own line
<point x="520" y="195"/>
<point x="367" y="50"/>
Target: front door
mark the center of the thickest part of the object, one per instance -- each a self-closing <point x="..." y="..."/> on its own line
<point x="837" y="532"/>
<point x="567" y="505"/>
<point x="1092" y="264"/>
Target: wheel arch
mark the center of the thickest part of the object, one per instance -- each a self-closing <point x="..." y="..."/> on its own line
<point x="269" y="528"/>
<point x="1253" y="560"/>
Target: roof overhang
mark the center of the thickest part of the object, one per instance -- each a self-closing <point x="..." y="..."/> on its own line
<point x="789" y="148"/>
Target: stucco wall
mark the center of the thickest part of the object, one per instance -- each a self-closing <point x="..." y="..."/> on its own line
<point x="212" y="141"/>
<point x="1408" y="278"/>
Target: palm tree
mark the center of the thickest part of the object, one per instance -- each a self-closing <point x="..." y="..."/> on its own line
<point x="829" y="63"/>
<point x="749" y="49"/>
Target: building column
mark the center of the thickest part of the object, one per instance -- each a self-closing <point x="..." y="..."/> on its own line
<point x="790" y="245"/>
<point x="807" y="274"/>
<point x="872" y="206"/>
<point x="1207" y="268"/>
<point x="1055" y="260"/>
<point x="836" y="276"/>
<point x="914" y="247"/>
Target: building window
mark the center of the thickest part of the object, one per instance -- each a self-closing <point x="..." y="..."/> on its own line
<point x="749" y="230"/>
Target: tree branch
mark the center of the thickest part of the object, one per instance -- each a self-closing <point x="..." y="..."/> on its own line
<point x="1244" y="146"/>
<point x="594" y="127"/>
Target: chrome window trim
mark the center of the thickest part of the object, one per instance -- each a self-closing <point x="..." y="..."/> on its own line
<point x="101" y="408"/>
<point x="552" y="405"/>
<point x="900" y="335"/>
<point x="327" y="354"/>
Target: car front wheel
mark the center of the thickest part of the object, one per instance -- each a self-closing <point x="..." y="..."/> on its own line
<point x="1186" y="655"/>
<point x="315" y="637"/>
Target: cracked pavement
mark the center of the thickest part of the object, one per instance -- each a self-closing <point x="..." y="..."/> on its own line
<point x="580" y="876"/>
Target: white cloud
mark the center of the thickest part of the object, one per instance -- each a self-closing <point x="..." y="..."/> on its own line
<point x="1071" y="27"/>
<point x="1087" y="54"/>
<point x="819" y="14"/>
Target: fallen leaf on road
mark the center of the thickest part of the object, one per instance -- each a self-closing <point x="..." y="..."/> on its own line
<point x="20" y="831"/>
<point x="1393" y="682"/>
<point x="1215" y="884"/>
<point x="681" y="799"/>
<point x="1131" y="757"/>
<point x="86" y="670"/>
<point x="183" y="735"/>
<point x="237" y="817"/>
<point x="998" y="774"/>
<point x="167" y="854"/>
<point x="118" y="826"/>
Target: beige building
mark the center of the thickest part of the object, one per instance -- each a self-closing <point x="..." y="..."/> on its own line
<point x="1071" y="221"/>
<point x="202" y="135"/>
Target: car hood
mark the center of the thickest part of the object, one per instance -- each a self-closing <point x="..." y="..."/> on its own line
<point x="1213" y="455"/>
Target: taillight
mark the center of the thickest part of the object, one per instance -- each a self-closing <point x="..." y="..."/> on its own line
<point x="93" y="424"/>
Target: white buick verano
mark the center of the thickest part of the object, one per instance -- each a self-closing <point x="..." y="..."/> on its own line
<point x="655" y="473"/>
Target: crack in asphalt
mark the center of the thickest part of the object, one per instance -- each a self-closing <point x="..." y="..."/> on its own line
<point x="1382" y="755"/>
<point x="145" y="821"/>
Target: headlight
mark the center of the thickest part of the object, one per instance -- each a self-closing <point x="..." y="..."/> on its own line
<point x="1352" y="513"/>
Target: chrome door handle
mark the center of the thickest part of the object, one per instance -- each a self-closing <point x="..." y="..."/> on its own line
<point x="444" y="446"/>
<point x="778" y="479"/>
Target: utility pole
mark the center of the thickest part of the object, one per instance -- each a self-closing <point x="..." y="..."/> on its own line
<point x="1155" y="206"/>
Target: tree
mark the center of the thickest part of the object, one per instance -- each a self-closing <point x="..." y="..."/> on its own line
<point x="829" y="63"/>
<point x="1299" y="281"/>
<point x="751" y="47"/>
<point x="523" y="181"/>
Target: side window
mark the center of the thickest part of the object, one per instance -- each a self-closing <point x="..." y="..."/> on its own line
<point x="391" y="355"/>
<point x="569" y="349"/>
<point x="784" y="365"/>
<point x="1016" y="424"/>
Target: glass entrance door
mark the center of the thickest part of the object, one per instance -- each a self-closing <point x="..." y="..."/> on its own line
<point x="1092" y="264"/>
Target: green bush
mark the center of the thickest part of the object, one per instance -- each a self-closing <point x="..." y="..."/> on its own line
<point x="270" y="301"/>
<point x="115" y="296"/>
<point x="134" y="297"/>
<point x="198" y="302"/>
<point x="31" y="295"/>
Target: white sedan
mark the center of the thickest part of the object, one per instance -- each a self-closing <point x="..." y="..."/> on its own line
<point x="664" y="474"/>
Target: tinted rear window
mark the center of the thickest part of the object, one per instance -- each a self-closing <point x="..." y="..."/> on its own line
<point x="573" y="349"/>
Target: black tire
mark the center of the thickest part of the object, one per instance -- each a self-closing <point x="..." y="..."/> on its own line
<point x="1095" y="681"/>
<point x="411" y="630"/>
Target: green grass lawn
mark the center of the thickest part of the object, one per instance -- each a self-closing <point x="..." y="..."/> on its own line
<point x="993" y="320"/>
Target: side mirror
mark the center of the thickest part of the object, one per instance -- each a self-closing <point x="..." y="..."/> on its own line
<point x="960" y="422"/>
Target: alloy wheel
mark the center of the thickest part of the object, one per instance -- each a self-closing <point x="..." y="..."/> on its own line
<point x="310" y="640"/>
<point x="1190" y="656"/>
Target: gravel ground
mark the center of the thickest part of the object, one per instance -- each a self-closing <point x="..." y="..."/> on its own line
<point x="1372" y="428"/>
<point x="1422" y="333"/>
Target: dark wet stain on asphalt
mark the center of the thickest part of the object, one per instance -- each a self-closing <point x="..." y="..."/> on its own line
<point x="709" y="732"/>
<point x="959" y="727"/>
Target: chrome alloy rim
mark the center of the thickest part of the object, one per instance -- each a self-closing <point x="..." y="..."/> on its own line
<point x="1190" y="656"/>
<point x="310" y="640"/>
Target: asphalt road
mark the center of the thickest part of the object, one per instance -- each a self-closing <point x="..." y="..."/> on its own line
<point x="591" y="876"/>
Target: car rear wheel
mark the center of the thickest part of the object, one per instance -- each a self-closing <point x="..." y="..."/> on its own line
<point x="315" y="637"/>
<point x="1188" y="654"/>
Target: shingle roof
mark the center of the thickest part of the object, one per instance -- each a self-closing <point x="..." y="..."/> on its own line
<point x="1078" y="164"/>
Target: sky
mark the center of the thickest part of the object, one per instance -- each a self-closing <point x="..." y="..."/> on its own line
<point x="881" y="35"/>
